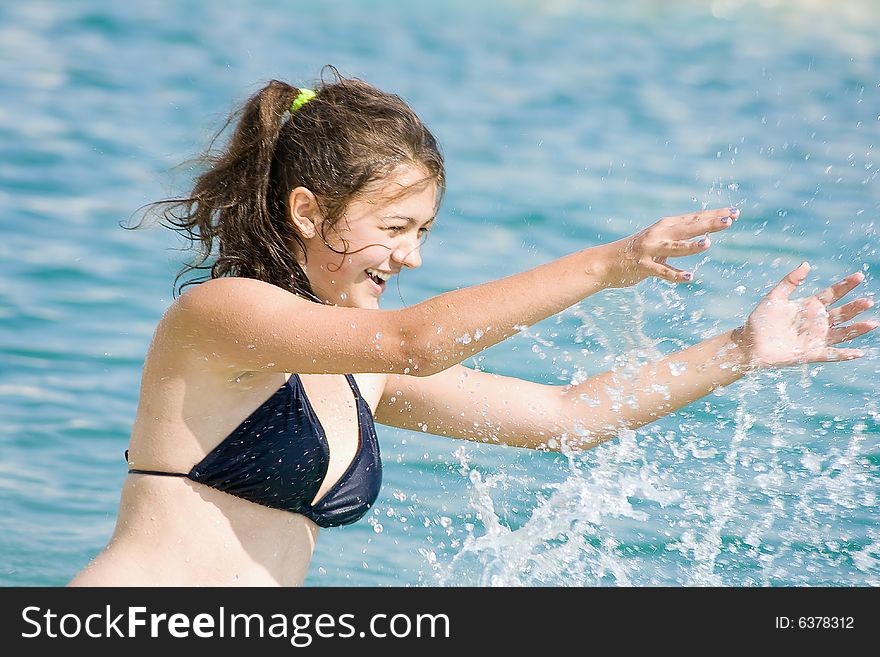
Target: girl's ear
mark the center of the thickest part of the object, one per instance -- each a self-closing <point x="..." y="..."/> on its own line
<point x="304" y="211"/>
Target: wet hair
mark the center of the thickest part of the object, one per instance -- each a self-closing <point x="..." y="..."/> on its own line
<point x="340" y="145"/>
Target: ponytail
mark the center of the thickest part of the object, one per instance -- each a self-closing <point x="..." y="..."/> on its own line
<point x="230" y="201"/>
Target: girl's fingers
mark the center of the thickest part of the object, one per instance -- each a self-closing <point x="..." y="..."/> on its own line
<point x="847" y="311"/>
<point x="688" y="226"/>
<point x="846" y="333"/>
<point x="833" y="355"/>
<point x="834" y="292"/>
<point x="667" y="273"/>
<point x="789" y="284"/>
<point x="680" y="248"/>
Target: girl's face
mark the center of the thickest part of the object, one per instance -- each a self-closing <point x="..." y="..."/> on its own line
<point x="379" y="236"/>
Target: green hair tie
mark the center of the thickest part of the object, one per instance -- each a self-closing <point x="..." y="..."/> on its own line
<point x="304" y="96"/>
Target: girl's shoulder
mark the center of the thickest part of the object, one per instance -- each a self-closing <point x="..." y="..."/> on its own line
<point x="230" y="294"/>
<point x="195" y="321"/>
<point x="245" y="324"/>
<point x="224" y="288"/>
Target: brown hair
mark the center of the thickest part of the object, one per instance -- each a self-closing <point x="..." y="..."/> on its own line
<point x="337" y="145"/>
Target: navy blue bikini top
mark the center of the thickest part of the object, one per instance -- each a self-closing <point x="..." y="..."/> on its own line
<point x="278" y="457"/>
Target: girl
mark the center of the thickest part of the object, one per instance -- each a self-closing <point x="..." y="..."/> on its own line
<point x="251" y="431"/>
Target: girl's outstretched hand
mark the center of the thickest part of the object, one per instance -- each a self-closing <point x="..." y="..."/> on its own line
<point x="644" y="254"/>
<point x="782" y="331"/>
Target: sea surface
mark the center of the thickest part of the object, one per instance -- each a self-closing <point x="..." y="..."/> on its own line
<point x="565" y="125"/>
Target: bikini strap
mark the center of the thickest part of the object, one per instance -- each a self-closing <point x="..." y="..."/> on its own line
<point x="158" y="472"/>
<point x="354" y="387"/>
<point x="154" y="472"/>
<point x="348" y="377"/>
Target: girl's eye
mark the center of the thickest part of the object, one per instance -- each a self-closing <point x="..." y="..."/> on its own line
<point x="397" y="230"/>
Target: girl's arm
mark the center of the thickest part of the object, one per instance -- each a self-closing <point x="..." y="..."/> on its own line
<point x="474" y="405"/>
<point x="455" y="325"/>
<point x="463" y="403"/>
<point x="241" y="324"/>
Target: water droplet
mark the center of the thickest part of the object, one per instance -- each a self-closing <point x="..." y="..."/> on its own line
<point x="429" y="555"/>
<point x="661" y="389"/>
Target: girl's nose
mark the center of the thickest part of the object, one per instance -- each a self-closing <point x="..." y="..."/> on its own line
<point x="408" y="255"/>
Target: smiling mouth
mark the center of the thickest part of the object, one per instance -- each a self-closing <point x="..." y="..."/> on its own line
<point x="380" y="282"/>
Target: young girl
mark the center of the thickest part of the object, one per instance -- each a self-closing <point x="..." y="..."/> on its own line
<point x="252" y="432"/>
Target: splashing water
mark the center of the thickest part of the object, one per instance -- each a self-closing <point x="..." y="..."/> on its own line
<point x="733" y="490"/>
<point x="564" y="541"/>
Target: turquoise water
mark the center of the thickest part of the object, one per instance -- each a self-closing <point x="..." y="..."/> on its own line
<point x="564" y="126"/>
